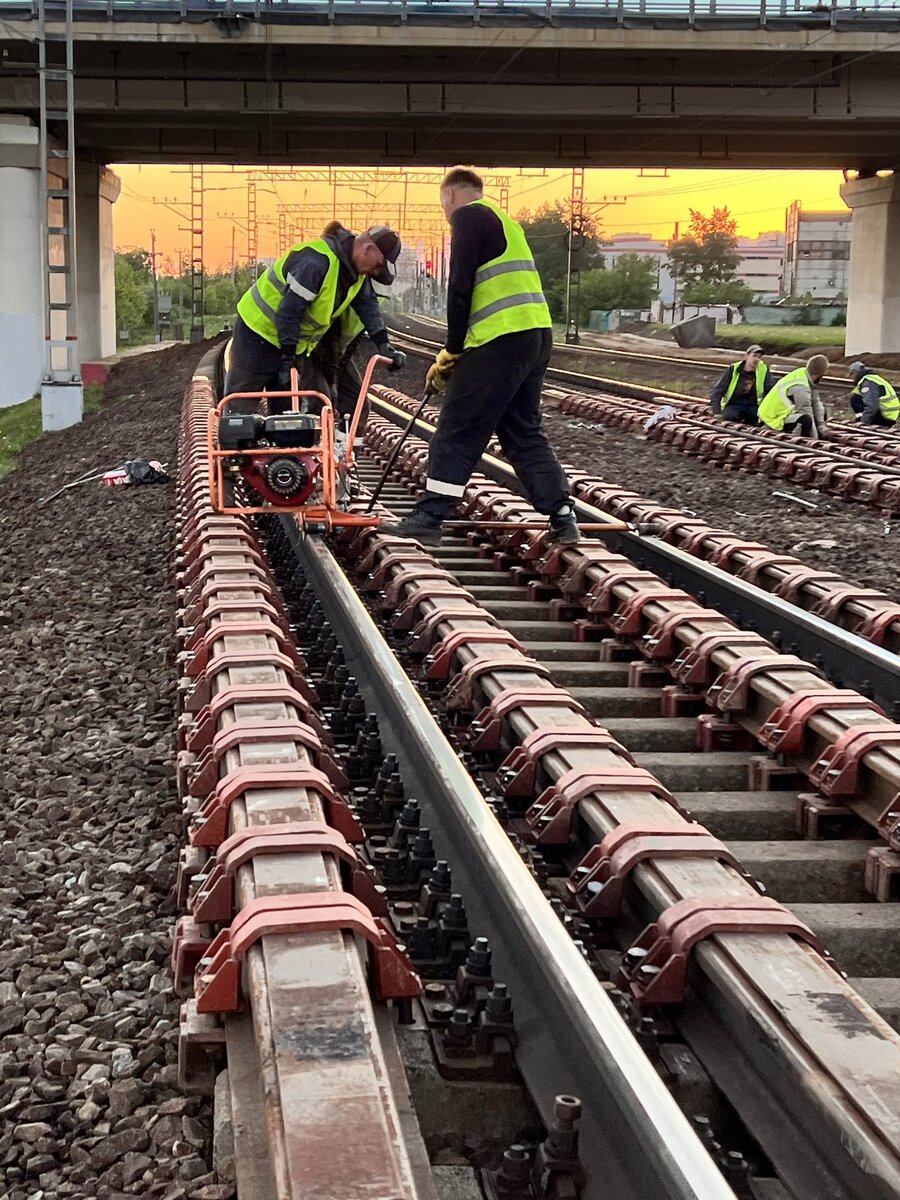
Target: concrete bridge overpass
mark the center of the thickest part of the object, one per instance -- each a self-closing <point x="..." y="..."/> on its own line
<point x="678" y="83"/>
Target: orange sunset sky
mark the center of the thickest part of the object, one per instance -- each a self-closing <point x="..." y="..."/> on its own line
<point x="157" y="197"/>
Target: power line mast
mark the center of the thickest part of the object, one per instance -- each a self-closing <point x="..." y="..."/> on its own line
<point x="196" y="252"/>
<point x="579" y="215"/>
<point x="62" y="392"/>
<point x="252" y="224"/>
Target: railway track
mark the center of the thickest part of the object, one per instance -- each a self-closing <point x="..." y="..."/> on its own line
<point x="779" y="364"/>
<point x="859" y="467"/>
<point x="534" y="705"/>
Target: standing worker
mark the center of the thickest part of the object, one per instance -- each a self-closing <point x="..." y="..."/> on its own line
<point x="498" y="345"/>
<point x="284" y="316"/>
<point x="873" y="399"/>
<point x="793" y="403"/>
<point x="741" y="388"/>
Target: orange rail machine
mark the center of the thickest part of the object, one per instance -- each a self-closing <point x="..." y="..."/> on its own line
<point x="286" y="461"/>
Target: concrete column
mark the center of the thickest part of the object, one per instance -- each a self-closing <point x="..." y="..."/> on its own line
<point x="96" y="191"/>
<point x="21" y="297"/>
<point x="873" y="310"/>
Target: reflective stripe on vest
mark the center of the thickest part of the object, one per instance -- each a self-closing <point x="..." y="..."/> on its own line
<point x="507" y="296"/>
<point x="889" y="403"/>
<point x="776" y="406"/>
<point x="735" y="376"/>
<point x="258" y="306"/>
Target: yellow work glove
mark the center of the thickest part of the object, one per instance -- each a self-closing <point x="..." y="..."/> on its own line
<point x="440" y="370"/>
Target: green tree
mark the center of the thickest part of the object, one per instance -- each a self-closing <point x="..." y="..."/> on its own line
<point x="732" y="292"/>
<point x="704" y="263"/>
<point x="631" y="283"/>
<point x="719" y="220"/>
<point x="547" y="231"/>
<point x="140" y="260"/>
<point x="220" y="296"/>
<point x="131" y="294"/>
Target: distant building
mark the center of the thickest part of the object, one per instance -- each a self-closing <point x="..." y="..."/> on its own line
<point x="647" y="247"/>
<point x="762" y="264"/>
<point x="816" y="253"/>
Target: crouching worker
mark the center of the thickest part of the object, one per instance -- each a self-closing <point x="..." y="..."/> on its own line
<point x="793" y="403"/>
<point x="741" y="388"/>
<point x="873" y="399"/>
<point x="284" y="317"/>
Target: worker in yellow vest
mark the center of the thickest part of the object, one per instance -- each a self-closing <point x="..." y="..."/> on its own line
<point x="499" y="341"/>
<point x="337" y="351"/>
<point x="284" y="316"/>
<point x="793" y="403"/>
<point x="873" y="399"/>
<point x="741" y="387"/>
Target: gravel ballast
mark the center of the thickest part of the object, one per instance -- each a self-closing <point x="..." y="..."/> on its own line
<point x="90" y="818"/>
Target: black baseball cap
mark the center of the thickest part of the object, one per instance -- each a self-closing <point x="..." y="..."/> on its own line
<point x="390" y="246"/>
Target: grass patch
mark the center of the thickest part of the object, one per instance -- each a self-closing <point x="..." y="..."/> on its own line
<point x="784" y="338"/>
<point x="21" y="424"/>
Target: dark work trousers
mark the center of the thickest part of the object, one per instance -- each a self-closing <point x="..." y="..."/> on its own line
<point x="802" y="426"/>
<point x="495" y="388"/>
<point x="858" y="406"/>
<point x="255" y="364"/>
<point x="744" y="414"/>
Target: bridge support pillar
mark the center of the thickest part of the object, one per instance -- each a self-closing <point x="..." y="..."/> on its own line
<point x="21" y="298"/>
<point x="873" y="311"/>
<point x="96" y="191"/>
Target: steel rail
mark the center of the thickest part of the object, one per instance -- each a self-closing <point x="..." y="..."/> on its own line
<point x="746" y="434"/>
<point x="855" y="661"/>
<point x="307" y="998"/>
<point x="698" y="364"/>
<point x="636" y="1141"/>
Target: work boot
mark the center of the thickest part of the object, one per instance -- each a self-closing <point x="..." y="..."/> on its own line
<point x="564" y="527"/>
<point x="416" y="525"/>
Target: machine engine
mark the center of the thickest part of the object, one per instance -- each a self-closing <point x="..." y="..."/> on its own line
<point x="285" y="480"/>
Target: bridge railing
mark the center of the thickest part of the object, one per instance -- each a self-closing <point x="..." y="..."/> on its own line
<point x="839" y="13"/>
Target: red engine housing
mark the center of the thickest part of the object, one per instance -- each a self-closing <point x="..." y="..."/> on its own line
<point x="284" y="480"/>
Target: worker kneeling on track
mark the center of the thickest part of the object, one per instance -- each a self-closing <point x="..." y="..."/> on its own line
<point x="873" y="399"/>
<point x="498" y="346"/>
<point x="793" y="403"/>
<point x="741" y="388"/>
<point x="293" y="314"/>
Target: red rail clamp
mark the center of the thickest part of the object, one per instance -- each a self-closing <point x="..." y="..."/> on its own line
<point x="204" y="728"/>
<point x="597" y="884"/>
<point x="695" y="665"/>
<point x="659" y="640"/>
<point x="217" y="983"/>
<point x="626" y="620"/>
<point x="731" y="690"/>
<point x="423" y="634"/>
<point x="600" y="598"/>
<point x="205" y="773"/>
<point x="836" y="773"/>
<point x="407" y="615"/>
<point x="551" y="816"/>
<point x="209" y="827"/>
<point x="460" y="693"/>
<point x="783" y="732"/>
<point x="657" y="971"/>
<point x="485" y="730"/>
<point x="202" y="691"/>
<point x="517" y="774"/>
<point x="438" y="663"/>
<point x="213" y="897"/>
